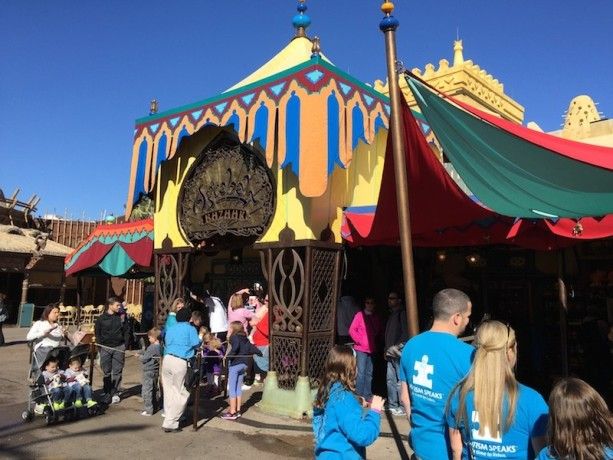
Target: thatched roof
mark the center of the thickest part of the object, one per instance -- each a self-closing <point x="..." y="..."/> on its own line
<point x="23" y="241"/>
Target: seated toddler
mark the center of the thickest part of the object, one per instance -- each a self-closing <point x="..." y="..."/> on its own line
<point x="55" y="383"/>
<point x="77" y="382"/>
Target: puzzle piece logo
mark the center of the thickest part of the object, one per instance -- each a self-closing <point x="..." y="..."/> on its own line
<point x="487" y="435"/>
<point x="423" y="371"/>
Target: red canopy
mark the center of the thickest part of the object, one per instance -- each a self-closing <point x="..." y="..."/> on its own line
<point x="443" y="215"/>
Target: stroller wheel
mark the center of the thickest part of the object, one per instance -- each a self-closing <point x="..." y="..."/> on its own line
<point x="27" y="416"/>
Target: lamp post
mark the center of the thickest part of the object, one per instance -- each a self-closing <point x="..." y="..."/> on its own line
<point x="388" y="26"/>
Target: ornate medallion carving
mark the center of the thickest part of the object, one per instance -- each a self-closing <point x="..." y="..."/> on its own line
<point x="229" y="195"/>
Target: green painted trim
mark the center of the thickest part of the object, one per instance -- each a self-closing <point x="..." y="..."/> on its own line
<point x="225" y="95"/>
<point x="257" y="84"/>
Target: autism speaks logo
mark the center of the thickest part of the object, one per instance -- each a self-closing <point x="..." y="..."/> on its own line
<point x="423" y="372"/>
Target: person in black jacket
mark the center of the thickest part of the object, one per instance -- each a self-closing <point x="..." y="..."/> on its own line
<point x="396" y="334"/>
<point x="237" y="357"/>
<point x="112" y="336"/>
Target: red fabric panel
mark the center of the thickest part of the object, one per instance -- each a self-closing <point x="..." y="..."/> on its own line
<point x="588" y="228"/>
<point x="435" y="200"/>
<point x="90" y="257"/>
<point x="141" y="251"/>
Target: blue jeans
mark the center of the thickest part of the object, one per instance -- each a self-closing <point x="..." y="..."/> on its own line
<point x="236" y="373"/>
<point x="393" y="384"/>
<point x="80" y="392"/>
<point x="363" y="386"/>
<point x="59" y="394"/>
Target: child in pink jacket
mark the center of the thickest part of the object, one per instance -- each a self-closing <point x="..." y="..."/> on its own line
<point x="364" y="330"/>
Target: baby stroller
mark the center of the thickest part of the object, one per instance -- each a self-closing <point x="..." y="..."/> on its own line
<point x="40" y="396"/>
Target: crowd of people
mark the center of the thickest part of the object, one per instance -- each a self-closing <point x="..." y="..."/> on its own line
<point x="462" y="399"/>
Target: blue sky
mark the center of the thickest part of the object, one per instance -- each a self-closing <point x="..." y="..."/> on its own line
<point x="76" y="74"/>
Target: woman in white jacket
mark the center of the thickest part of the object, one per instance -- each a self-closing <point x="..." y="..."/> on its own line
<point x="46" y="334"/>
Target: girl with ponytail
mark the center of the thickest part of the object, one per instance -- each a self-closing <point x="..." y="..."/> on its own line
<point x="490" y="414"/>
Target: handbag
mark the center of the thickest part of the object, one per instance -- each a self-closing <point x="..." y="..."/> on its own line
<point x="192" y="375"/>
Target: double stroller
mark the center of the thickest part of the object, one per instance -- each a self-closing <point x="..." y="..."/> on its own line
<point x="39" y="399"/>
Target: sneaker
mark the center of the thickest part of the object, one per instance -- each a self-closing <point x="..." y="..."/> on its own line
<point x="91" y="403"/>
<point x="229" y="416"/>
<point x="238" y="414"/>
<point x="397" y="412"/>
<point x="78" y="404"/>
<point x="146" y="414"/>
<point x="246" y="387"/>
<point x="115" y="399"/>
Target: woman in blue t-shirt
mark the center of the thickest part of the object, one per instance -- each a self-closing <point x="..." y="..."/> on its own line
<point x="580" y="424"/>
<point x="490" y="414"/>
<point x="341" y="425"/>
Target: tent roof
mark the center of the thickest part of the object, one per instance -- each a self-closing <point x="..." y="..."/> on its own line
<point x="23" y="241"/>
<point x="298" y="51"/>
<point x="443" y="215"/>
<point x="113" y="250"/>
<point x="516" y="171"/>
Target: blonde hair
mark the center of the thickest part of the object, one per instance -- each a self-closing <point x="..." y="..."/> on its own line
<point x="154" y="332"/>
<point x="491" y="378"/>
<point x="340" y="367"/>
<point x="236" y="327"/>
<point x="175" y="304"/>
<point x="211" y="341"/>
<point x="236" y="301"/>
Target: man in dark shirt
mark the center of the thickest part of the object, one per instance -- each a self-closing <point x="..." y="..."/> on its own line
<point x="111" y="336"/>
<point x="396" y="334"/>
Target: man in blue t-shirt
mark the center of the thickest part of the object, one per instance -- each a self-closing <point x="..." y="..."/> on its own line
<point x="432" y="363"/>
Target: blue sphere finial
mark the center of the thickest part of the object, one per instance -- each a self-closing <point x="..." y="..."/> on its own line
<point x="301" y="21"/>
<point x="388" y="23"/>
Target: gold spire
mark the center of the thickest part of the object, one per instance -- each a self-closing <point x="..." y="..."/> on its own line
<point x="458" y="57"/>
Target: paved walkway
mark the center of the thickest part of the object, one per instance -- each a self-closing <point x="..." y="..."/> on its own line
<point x="121" y="432"/>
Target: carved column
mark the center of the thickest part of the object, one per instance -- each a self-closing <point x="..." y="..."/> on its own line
<point x="170" y="270"/>
<point x="303" y="283"/>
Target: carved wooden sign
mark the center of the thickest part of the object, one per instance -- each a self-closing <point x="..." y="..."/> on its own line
<point x="228" y="195"/>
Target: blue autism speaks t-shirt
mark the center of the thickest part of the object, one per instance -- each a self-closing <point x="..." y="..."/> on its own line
<point x="432" y="363"/>
<point x="544" y="454"/>
<point x="530" y="421"/>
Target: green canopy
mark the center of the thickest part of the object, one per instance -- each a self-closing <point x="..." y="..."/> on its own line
<point x="510" y="174"/>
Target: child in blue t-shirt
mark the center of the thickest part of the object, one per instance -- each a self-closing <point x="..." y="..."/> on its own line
<point x="580" y="424"/>
<point x="490" y="414"/>
<point x="343" y="425"/>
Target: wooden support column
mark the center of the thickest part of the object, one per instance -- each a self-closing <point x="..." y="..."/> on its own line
<point x="303" y="285"/>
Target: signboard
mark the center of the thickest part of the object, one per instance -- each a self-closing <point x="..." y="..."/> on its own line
<point x="228" y="198"/>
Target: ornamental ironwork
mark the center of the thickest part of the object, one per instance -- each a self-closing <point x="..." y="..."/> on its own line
<point x="228" y="196"/>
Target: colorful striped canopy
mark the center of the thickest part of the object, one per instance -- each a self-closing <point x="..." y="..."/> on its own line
<point x="115" y="250"/>
<point x="516" y="171"/>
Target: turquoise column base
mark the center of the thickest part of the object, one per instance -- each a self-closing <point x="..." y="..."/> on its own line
<point x="296" y="403"/>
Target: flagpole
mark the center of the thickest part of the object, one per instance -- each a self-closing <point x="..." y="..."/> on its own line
<point x="388" y="26"/>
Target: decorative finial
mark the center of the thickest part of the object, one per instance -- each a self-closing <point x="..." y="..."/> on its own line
<point x="153" y="107"/>
<point x="458" y="57"/>
<point x="301" y="21"/>
<point x="389" y="22"/>
<point x="316" y="48"/>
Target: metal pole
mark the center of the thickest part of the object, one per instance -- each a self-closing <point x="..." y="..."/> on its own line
<point x="388" y="26"/>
